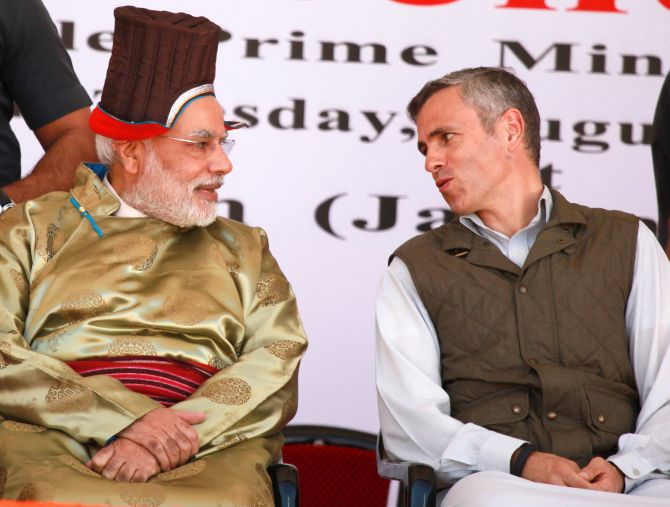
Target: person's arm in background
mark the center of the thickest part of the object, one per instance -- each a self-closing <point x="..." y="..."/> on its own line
<point x="37" y="73"/>
<point x="67" y="142"/>
<point x="660" y="152"/>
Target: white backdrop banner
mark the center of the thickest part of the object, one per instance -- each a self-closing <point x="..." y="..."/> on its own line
<point x="330" y="167"/>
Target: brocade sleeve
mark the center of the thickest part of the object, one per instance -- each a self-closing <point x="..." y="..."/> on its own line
<point x="39" y="389"/>
<point x="256" y="395"/>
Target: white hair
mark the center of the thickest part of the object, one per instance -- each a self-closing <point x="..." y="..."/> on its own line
<point x="105" y="150"/>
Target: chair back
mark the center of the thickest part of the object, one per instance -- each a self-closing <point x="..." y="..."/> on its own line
<point x="337" y="466"/>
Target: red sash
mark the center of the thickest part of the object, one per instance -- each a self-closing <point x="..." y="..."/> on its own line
<point x="165" y="380"/>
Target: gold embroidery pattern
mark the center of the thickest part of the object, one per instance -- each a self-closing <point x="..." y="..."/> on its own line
<point x="218" y="363"/>
<point x="22" y="427"/>
<point x="138" y="250"/>
<point x="228" y="391"/>
<point x="3" y="481"/>
<point x="82" y="304"/>
<point x="50" y="343"/>
<point x="242" y="496"/>
<point x="272" y="289"/>
<point x="66" y="397"/>
<point x="143" y="495"/>
<point x="187" y="307"/>
<point x="73" y="462"/>
<point x="19" y="281"/>
<point x="38" y="491"/>
<point x="131" y="346"/>
<point x="284" y="349"/>
<point x="187" y="470"/>
<point x="52" y="240"/>
<point x="11" y="218"/>
<point x="225" y="444"/>
<point x="49" y="241"/>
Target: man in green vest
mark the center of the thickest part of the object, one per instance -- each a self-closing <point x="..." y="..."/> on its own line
<point x="522" y="348"/>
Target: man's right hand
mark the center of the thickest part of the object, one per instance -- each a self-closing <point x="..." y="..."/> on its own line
<point x="124" y="461"/>
<point x="167" y="434"/>
<point x="551" y="469"/>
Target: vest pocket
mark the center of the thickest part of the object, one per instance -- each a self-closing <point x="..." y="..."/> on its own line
<point x="610" y="411"/>
<point x="504" y="406"/>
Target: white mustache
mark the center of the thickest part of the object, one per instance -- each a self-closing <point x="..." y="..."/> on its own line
<point x="216" y="180"/>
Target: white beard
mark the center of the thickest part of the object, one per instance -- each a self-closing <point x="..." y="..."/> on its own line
<point x="159" y="194"/>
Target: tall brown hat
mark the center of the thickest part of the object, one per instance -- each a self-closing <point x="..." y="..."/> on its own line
<point x="161" y="61"/>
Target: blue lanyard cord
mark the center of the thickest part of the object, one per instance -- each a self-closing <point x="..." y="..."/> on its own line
<point x="87" y="216"/>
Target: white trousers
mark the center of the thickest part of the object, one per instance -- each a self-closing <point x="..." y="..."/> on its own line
<point x="498" y="489"/>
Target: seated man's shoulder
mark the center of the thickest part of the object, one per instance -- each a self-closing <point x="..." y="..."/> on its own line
<point x="602" y="214"/>
<point x="237" y="235"/>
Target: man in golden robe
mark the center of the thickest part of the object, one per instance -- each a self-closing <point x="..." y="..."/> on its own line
<point x="149" y="349"/>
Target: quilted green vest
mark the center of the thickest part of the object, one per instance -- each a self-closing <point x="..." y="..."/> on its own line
<point x="539" y="352"/>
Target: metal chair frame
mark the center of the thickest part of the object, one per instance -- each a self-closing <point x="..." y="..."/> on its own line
<point x="285" y="485"/>
<point x="418" y="482"/>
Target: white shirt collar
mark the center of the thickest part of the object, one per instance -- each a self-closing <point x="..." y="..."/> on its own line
<point x="124" y="211"/>
<point x="544" y="206"/>
<point x="518" y="246"/>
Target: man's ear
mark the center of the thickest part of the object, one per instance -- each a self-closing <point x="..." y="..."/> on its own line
<point x="130" y="154"/>
<point x="514" y="128"/>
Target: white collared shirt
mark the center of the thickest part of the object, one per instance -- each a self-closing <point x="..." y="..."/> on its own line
<point x="414" y="409"/>
<point x="124" y="211"/>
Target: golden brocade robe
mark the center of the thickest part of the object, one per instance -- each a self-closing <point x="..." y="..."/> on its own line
<point x="212" y="295"/>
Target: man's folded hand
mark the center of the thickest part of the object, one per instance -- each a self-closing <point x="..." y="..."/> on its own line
<point x="603" y="475"/>
<point x="551" y="469"/>
<point x="167" y="434"/>
<point x="124" y="461"/>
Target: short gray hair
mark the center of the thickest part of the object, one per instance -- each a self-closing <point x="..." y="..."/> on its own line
<point x="104" y="147"/>
<point x="491" y="91"/>
<point x="105" y="150"/>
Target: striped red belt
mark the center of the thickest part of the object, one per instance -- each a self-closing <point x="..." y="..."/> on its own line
<point x="168" y="381"/>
